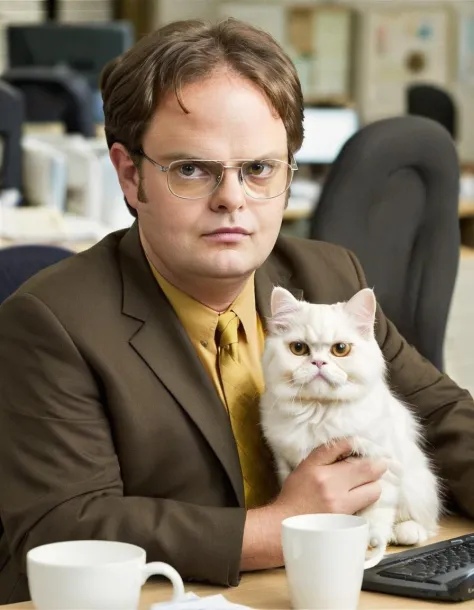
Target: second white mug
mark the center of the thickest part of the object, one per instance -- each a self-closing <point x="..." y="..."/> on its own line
<point x="325" y="558"/>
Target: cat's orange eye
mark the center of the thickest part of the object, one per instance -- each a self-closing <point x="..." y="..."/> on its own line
<point x="298" y="348"/>
<point x="341" y="349"/>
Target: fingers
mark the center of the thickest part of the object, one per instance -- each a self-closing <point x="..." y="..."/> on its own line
<point x="363" y="496"/>
<point x="360" y="471"/>
<point x="328" y="454"/>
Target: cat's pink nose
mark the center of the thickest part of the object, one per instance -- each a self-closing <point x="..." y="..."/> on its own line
<point x="319" y="363"/>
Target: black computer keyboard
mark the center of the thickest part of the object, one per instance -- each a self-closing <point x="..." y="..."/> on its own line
<point x="444" y="570"/>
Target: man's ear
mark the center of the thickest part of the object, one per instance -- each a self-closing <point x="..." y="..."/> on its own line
<point x="127" y="173"/>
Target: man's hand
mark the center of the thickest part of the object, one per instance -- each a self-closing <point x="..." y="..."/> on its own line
<point x="327" y="481"/>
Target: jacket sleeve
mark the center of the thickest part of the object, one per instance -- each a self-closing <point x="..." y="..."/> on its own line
<point x="446" y="411"/>
<point x="59" y="472"/>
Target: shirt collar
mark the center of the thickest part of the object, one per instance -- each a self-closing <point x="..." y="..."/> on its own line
<point x="199" y="321"/>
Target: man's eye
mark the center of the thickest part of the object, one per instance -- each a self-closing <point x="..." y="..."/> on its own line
<point x="188" y="169"/>
<point x="256" y="169"/>
<point x="259" y="169"/>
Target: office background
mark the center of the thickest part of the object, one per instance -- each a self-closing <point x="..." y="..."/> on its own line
<point x="358" y="62"/>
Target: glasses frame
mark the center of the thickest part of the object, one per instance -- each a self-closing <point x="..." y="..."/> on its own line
<point x="165" y="169"/>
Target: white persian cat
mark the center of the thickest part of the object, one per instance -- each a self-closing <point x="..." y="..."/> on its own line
<point x="325" y="380"/>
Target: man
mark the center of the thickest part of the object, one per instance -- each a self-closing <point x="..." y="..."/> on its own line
<point x="123" y="414"/>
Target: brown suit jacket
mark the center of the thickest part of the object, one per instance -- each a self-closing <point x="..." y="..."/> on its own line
<point x="111" y="429"/>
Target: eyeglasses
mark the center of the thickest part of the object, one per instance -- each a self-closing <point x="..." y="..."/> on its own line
<point x="197" y="178"/>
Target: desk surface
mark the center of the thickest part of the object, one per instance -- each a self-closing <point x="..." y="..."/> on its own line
<point x="466" y="208"/>
<point x="268" y="590"/>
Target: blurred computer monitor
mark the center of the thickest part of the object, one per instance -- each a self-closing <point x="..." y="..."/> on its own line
<point x="326" y="130"/>
<point x="84" y="47"/>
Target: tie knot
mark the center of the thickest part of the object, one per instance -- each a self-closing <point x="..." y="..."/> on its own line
<point x="228" y="326"/>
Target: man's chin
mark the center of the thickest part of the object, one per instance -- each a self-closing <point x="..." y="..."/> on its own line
<point x="232" y="265"/>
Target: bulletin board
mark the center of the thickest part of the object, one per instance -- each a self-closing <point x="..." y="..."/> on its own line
<point x="268" y="17"/>
<point x="319" y="39"/>
<point x="402" y="46"/>
<point x="466" y="49"/>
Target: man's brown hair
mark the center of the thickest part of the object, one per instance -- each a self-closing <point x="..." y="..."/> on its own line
<point x="184" y="52"/>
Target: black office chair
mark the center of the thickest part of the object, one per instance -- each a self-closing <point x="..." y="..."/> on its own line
<point x="55" y="95"/>
<point x="11" y="120"/>
<point x="433" y="103"/>
<point x="19" y="263"/>
<point x="392" y="198"/>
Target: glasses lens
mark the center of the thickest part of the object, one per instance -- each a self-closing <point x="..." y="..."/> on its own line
<point x="267" y="178"/>
<point x="192" y="179"/>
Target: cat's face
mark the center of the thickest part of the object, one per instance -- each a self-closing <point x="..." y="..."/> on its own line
<point x="325" y="353"/>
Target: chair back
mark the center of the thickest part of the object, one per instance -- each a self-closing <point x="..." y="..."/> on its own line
<point x="433" y="103"/>
<point x="11" y="121"/>
<point x="391" y="197"/>
<point x="19" y="263"/>
<point x="55" y="95"/>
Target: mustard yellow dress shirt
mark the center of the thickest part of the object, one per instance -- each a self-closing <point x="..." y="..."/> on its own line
<point x="200" y="323"/>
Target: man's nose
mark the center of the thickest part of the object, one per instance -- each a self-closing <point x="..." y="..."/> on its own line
<point x="229" y="195"/>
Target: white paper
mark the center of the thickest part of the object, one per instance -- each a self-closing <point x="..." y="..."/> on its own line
<point x="191" y="601"/>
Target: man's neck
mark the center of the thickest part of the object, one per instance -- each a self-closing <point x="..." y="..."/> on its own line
<point x="216" y="293"/>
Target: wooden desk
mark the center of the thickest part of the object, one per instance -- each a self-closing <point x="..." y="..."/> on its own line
<point x="268" y="590"/>
<point x="75" y="246"/>
<point x="55" y="128"/>
<point x="466" y="208"/>
<point x="467" y="252"/>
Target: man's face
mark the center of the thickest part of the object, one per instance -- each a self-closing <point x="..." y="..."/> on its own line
<point x="229" y="119"/>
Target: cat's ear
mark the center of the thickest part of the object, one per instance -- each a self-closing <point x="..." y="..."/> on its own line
<point x="283" y="306"/>
<point x="362" y="308"/>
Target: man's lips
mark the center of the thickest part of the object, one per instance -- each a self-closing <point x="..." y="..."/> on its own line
<point x="229" y="230"/>
<point x="228" y="235"/>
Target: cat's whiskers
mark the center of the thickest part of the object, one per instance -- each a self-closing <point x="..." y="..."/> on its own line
<point x="274" y="403"/>
<point x="296" y="395"/>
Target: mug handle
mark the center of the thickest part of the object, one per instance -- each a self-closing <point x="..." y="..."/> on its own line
<point x="158" y="568"/>
<point x="378" y="553"/>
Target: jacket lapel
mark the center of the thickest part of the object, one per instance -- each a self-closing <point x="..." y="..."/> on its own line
<point x="164" y="345"/>
<point x="271" y="274"/>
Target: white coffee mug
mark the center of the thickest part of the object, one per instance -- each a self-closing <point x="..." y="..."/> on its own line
<point x="92" y="575"/>
<point x="325" y="558"/>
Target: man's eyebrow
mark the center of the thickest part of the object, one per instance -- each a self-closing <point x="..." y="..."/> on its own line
<point x="178" y="156"/>
<point x="184" y="156"/>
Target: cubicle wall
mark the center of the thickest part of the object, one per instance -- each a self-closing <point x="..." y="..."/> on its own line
<point x="18" y="11"/>
<point x="33" y="11"/>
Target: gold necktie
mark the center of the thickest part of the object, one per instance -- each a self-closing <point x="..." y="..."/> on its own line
<point x="242" y="399"/>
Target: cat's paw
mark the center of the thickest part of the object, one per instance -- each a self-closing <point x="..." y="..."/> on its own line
<point x="379" y="536"/>
<point x="409" y="533"/>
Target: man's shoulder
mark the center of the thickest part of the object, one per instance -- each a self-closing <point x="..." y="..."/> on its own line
<point x="325" y="272"/>
<point x="79" y="279"/>
<point x="302" y="251"/>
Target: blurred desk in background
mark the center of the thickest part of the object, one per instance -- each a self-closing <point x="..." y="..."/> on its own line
<point x="466" y="223"/>
<point x="55" y="128"/>
<point x="466" y="208"/>
<point x="42" y="225"/>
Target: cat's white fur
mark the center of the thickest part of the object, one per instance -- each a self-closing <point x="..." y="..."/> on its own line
<point x="304" y="407"/>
